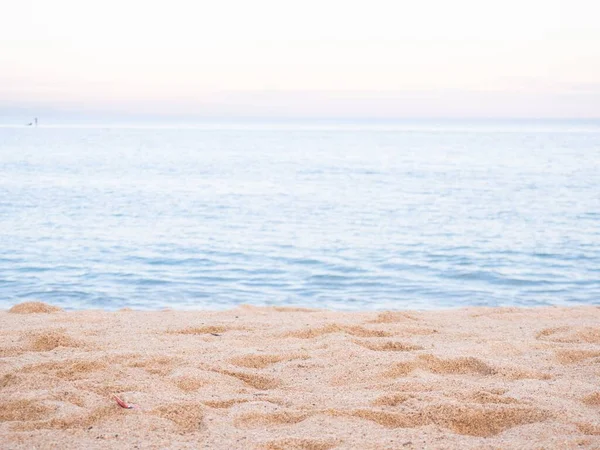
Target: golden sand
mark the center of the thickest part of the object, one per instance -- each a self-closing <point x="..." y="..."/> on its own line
<point x="294" y="378"/>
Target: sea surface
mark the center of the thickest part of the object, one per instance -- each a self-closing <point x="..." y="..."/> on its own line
<point x="359" y="216"/>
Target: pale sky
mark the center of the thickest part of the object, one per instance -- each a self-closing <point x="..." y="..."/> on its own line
<point x="310" y="58"/>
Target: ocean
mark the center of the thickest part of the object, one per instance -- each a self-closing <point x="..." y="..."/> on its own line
<point x="357" y="216"/>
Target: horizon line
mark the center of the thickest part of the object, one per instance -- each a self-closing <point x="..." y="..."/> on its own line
<point x="60" y="117"/>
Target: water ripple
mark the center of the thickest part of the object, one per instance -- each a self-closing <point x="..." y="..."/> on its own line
<point x="344" y="219"/>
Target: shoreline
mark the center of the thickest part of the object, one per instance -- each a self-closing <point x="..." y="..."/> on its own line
<point x="49" y="307"/>
<point x="277" y="377"/>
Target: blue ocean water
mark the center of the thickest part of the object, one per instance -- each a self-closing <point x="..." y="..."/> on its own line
<point x="344" y="216"/>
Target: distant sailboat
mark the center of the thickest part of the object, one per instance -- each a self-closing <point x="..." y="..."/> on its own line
<point x="35" y="122"/>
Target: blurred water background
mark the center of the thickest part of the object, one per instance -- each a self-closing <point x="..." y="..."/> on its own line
<point x="355" y="216"/>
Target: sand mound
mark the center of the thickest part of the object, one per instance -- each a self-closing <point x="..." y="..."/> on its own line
<point x="450" y="366"/>
<point x="156" y="365"/>
<point x="354" y="330"/>
<point x="570" y="335"/>
<point x="49" y="340"/>
<point x="189" y="383"/>
<point x="466" y="420"/>
<point x="592" y="399"/>
<point x="23" y="410"/>
<point x="576" y="356"/>
<point x="77" y="421"/>
<point x="394" y="317"/>
<point x="68" y="370"/>
<point x="257" y="361"/>
<point x="391" y="400"/>
<point x="400" y="369"/>
<point x="187" y="417"/>
<point x="589" y="428"/>
<point x="256" y="419"/>
<point x="456" y="365"/>
<point x="490" y="398"/>
<point x="484" y="422"/>
<point x="297" y="444"/>
<point x="388" y="346"/>
<point x="207" y="329"/>
<point x="225" y="403"/>
<point x="253" y="380"/>
<point x="33" y="308"/>
<point x="8" y="379"/>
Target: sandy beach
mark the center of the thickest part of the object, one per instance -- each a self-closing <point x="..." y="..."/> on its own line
<point x="285" y="378"/>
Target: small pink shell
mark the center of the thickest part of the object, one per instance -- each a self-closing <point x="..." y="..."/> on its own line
<point x="122" y="404"/>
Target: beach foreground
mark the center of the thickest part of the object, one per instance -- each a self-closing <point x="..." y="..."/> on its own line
<point x="288" y="378"/>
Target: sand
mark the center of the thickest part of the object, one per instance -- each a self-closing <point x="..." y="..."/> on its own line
<point x="285" y="378"/>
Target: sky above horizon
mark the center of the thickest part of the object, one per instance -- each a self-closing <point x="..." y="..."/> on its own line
<point x="266" y="58"/>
